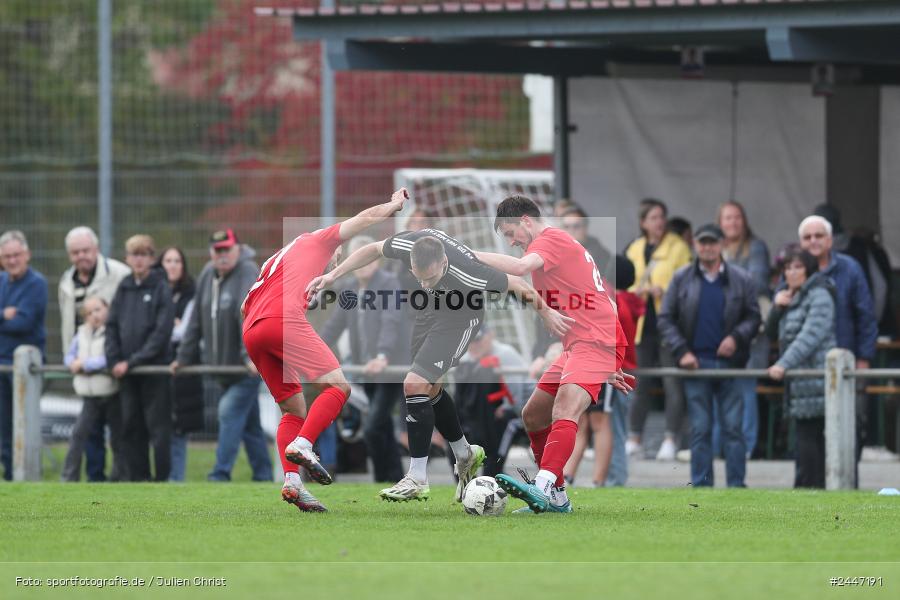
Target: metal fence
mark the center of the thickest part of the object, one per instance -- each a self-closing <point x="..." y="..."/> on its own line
<point x="840" y="403"/>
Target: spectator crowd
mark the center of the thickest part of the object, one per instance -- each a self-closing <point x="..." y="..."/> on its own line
<point x="704" y="298"/>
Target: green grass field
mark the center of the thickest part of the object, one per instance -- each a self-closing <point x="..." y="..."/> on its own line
<point x="618" y="543"/>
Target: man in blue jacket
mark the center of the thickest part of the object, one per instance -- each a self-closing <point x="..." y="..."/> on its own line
<point x="23" y="301"/>
<point x="709" y="316"/>
<point x="855" y="323"/>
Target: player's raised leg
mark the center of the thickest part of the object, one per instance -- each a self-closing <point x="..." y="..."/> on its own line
<point x="327" y="406"/>
<point x="293" y="412"/>
<point x="263" y="343"/>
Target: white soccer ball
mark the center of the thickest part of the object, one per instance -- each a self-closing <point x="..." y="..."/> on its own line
<point x="483" y="497"/>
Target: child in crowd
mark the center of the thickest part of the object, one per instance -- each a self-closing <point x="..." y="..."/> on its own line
<point x="86" y="359"/>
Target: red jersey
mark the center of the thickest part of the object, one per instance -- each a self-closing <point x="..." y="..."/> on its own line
<point x="631" y="308"/>
<point x="280" y="290"/>
<point x="570" y="282"/>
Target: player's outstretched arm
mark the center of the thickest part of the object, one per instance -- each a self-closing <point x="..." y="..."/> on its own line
<point x="555" y="322"/>
<point x="373" y="215"/>
<point x="358" y="259"/>
<point x="510" y="264"/>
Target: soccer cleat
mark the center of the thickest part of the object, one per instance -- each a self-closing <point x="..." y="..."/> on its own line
<point x="525" y="491"/>
<point x="560" y="508"/>
<point x="525" y="510"/>
<point x="299" y="496"/>
<point x="552" y="507"/>
<point x="466" y="471"/>
<point x="405" y="490"/>
<point x="307" y="459"/>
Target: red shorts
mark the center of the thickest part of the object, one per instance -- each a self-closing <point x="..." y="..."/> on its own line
<point x="586" y="365"/>
<point x="285" y="351"/>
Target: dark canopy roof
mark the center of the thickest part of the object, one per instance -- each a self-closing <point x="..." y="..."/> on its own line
<point x="584" y="37"/>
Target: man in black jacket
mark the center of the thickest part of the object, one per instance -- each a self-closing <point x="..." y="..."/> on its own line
<point x="216" y="322"/>
<point x="137" y="333"/>
<point x="709" y="317"/>
<point x="379" y="336"/>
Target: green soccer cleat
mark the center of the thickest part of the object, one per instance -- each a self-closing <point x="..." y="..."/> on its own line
<point x="525" y="510"/>
<point x="551" y="508"/>
<point x="468" y="469"/>
<point x="526" y="491"/>
<point x="556" y="508"/>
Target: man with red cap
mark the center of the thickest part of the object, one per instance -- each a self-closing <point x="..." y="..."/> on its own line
<point x="216" y="321"/>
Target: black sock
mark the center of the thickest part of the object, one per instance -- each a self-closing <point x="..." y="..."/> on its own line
<point x="419" y="424"/>
<point x="445" y="418"/>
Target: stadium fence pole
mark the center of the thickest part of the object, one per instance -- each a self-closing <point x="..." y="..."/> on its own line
<point x="27" y="384"/>
<point x="840" y="420"/>
<point x="104" y="125"/>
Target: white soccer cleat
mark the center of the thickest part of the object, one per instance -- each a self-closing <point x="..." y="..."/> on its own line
<point x="405" y="490"/>
<point x="294" y="492"/>
<point x="306" y="458"/>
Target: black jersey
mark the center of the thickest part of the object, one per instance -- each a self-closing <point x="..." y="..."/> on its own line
<point x="459" y="294"/>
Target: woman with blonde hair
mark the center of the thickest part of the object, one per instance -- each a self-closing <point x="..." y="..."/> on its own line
<point x="656" y="255"/>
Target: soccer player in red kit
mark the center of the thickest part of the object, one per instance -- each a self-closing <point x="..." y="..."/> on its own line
<point x="284" y="347"/>
<point x="564" y="273"/>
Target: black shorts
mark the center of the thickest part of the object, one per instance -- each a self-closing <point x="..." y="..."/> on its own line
<point x="437" y="347"/>
<point x="604" y="402"/>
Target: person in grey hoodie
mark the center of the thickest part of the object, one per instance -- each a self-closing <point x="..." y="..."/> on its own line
<point x="216" y="322"/>
<point x="802" y="319"/>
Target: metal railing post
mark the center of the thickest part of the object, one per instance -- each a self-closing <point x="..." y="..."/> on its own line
<point x="27" y="414"/>
<point x="840" y="421"/>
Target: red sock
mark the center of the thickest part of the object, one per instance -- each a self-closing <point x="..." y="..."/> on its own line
<point x="538" y="439"/>
<point x="558" y="448"/>
<point x="288" y="429"/>
<point x="324" y="410"/>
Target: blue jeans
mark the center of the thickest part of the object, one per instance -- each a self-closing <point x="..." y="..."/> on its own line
<point x="95" y="452"/>
<point x="6" y="425"/>
<point x="750" y="427"/>
<point x="239" y="420"/>
<point x="179" y="457"/>
<point x="701" y="395"/>
<point x="618" y="463"/>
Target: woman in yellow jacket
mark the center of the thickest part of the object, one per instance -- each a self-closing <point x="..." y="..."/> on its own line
<point x="656" y="255"/>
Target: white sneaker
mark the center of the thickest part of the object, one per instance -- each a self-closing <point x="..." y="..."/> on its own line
<point x="633" y="448"/>
<point x="683" y="456"/>
<point x="406" y="489"/>
<point x="667" y="451"/>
